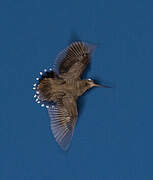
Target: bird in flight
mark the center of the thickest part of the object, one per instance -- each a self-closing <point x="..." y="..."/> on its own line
<point x="59" y="89"/>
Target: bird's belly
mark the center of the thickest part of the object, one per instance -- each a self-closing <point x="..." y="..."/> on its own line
<point x="66" y="89"/>
<point x="71" y="88"/>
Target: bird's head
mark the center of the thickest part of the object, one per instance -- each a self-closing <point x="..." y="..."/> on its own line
<point x="91" y="84"/>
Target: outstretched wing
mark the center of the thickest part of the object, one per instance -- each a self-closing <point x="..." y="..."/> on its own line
<point x="63" y="120"/>
<point x="72" y="61"/>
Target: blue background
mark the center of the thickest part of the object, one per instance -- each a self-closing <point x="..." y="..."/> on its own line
<point x="113" y="139"/>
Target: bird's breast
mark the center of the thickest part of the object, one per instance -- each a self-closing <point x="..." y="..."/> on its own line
<point x="74" y="87"/>
<point x="71" y="87"/>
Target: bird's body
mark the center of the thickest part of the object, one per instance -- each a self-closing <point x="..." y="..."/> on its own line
<point x="63" y="86"/>
<point x="60" y="88"/>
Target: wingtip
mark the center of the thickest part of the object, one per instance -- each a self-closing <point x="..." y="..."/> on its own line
<point x="64" y="148"/>
<point x="91" y="46"/>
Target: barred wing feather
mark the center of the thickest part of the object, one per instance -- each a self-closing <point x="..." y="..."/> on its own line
<point x="71" y="62"/>
<point x="63" y="120"/>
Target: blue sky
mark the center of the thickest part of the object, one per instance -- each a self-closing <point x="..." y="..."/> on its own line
<point x="113" y="139"/>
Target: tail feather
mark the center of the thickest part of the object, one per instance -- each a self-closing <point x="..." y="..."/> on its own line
<point x="44" y="87"/>
<point x="48" y="74"/>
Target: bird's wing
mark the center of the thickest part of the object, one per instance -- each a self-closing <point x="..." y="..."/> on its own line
<point x="63" y="120"/>
<point x="71" y="62"/>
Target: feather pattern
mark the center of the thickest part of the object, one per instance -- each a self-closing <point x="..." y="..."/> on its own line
<point x="59" y="89"/>
<point x="77" y="56"/>
<point x="46" y="85"/>
<point x="63" y="120"/>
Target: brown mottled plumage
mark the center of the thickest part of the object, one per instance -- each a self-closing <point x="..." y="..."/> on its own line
<point x="60" y="89"/>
